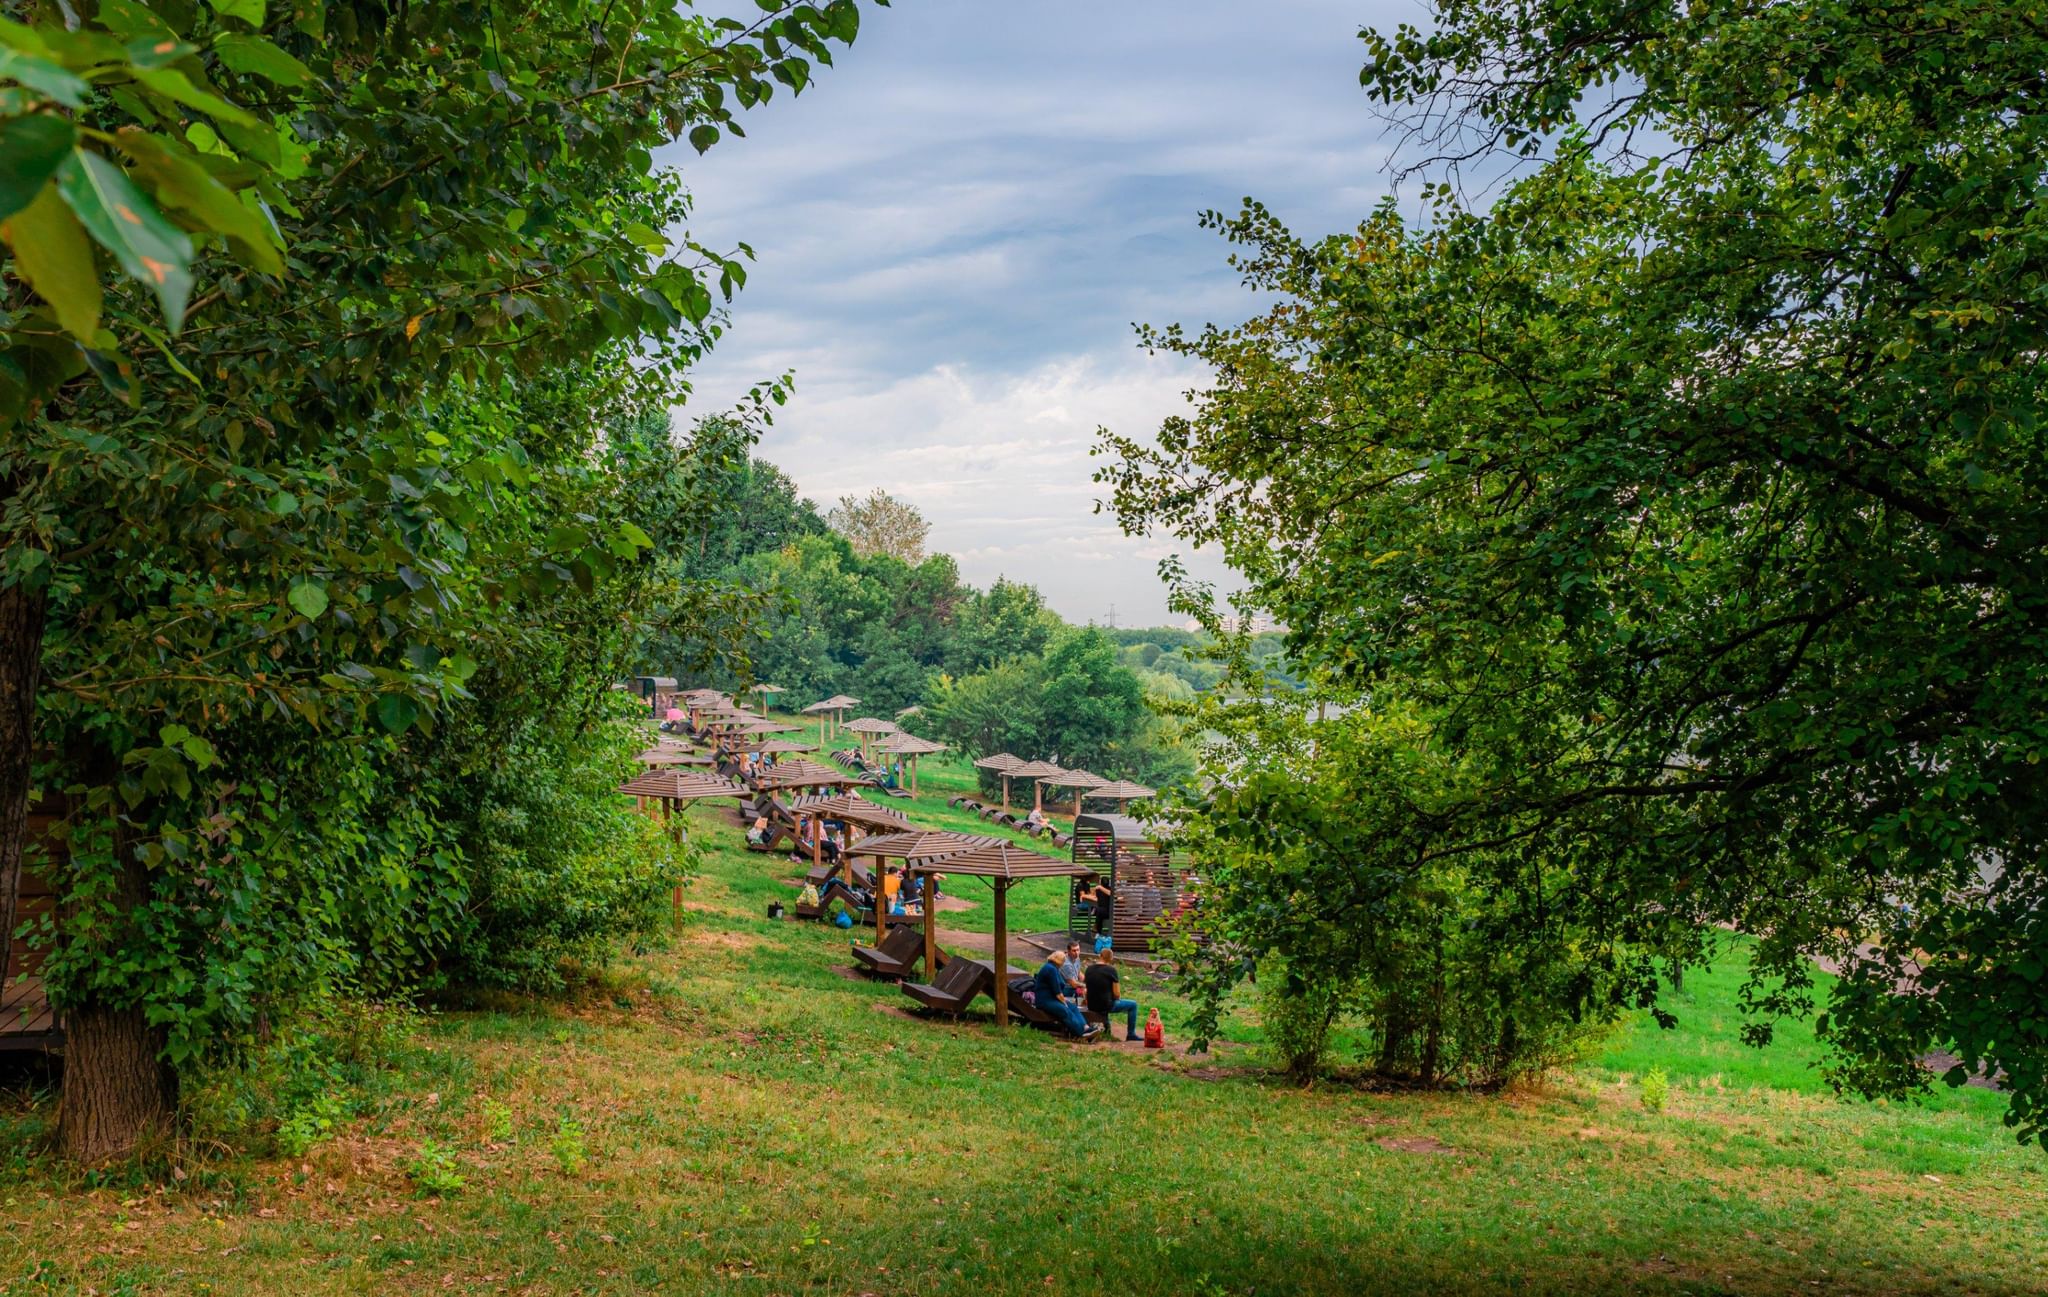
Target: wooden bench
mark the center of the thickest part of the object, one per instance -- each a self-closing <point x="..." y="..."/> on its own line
<point x="1037" y="1017"/>
<point x="955" y="987"/>
<point x="899" y="952"/>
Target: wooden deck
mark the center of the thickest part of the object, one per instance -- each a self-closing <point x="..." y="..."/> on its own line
<point x="25" y="1018"/>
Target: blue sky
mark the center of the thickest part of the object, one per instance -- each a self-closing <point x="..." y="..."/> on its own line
<point x="957" y="225"/>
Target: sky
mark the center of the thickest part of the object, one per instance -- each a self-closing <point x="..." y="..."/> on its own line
<point x="958" y="225"/>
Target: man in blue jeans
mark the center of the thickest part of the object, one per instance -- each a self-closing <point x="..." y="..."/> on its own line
<point x="1049" y="991"/>
<point x="1106" y="993"/>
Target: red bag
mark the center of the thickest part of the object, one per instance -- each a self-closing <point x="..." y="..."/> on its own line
<point x="1155" y="1032"/>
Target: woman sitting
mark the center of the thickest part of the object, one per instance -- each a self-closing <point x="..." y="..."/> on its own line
<point x="757" y="834"/>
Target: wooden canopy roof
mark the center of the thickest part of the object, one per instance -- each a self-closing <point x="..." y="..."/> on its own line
<point x="767" y="689"/>
<point x="870" y="725"/>
<point x="920" y="844"/>
<point x="1076" y="779"/>
<point x="680" y="786"/>
<point x="909" y="745"/>
<point x="1034" y="770"/>
<point x="672" y="757"/>
<point x="1001" y="762"/>
<point x="1005" y="860"/>
<point x="817" y="709"/>
<point x="1122" y="790"/>
<point x="767" y="727"/>
<point x="777" y="747"/>
<point x="800" y="773"/>
<point x="854" y="809"/>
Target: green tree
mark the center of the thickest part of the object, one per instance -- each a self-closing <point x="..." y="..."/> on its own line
<point x="223" y="496"/>
<point x="1692" y="500"/>
<point x="880" y="524"/>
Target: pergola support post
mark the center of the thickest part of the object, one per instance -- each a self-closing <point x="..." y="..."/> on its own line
<point x="1002" y="988"/>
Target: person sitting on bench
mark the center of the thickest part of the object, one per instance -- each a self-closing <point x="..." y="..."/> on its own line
<point x="1036" y="820"/>
<point x="1050" y="992"/>
<point x="1106" y="993"/>
<point x="757" y="835"/>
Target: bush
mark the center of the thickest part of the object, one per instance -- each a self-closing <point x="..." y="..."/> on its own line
<point x="434" y="1171"/>
<point x="1656" y="1089"/>
<point x="561" y="867"/>
<point x="1296" y="1013"/>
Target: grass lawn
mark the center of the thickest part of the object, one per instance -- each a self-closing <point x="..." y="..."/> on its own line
<point x="755" y="1122"/>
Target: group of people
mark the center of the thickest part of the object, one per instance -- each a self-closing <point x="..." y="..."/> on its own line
<point x="1064" y="985"/>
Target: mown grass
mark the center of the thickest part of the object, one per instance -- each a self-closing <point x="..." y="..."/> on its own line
<point x="756" y="1122"/>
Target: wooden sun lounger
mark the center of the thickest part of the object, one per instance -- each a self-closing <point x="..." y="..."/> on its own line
<point x="955" y="987"/>
<point x="899" y="952"/>
<point x="831" y="890"/>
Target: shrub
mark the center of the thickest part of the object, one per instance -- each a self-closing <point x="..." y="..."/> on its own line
<point x="568" y="1147"/>
<point x="1296" y="1012"/>
<point x="434" y="1171"/>
<point x="1656" y="1088"/>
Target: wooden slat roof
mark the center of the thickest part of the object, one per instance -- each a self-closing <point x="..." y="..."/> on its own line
<point x="673" y="757"/>
<point x="1122" y="790"/>
<point x="680" y="785"/>
<point x="1001" y="761"/>
<point x="909" y="745"/>
<point x="1034" y="770"/>
<point x="1077" y="779"/>
<point x="919" y="844"/>
<point x="776" y="747"/>
<point x="847" y="806"/>
<point x="1004" y="860"/>
<point x="807" y="774"/>
<point x="871" y="725"/>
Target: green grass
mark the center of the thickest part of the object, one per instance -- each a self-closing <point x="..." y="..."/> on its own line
<point x="752" y="1121"/>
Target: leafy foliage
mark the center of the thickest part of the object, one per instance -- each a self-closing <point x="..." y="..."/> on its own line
<point x="880" y="524"/>
<point x="1688" y="502"/>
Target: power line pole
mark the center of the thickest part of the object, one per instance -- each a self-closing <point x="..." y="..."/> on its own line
<point x="1112" y="616"/>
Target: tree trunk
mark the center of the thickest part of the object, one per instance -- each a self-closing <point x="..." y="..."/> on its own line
<point x="119" y="1096"/>
<point x="21" y="659"/>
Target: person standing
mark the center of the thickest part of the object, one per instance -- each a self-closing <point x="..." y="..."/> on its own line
<point x="1105" y="993"/>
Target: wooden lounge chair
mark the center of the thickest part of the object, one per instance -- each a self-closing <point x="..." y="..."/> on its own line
<point x="955" y="986"/>
<point x="899" y="952"/>
<point x="835" y="889"/>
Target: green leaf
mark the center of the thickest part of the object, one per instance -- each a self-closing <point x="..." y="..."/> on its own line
<point x="703" y="137"/>
<point x="258" y="57"/>
<point x="128" y="225"/>
<point x="249" y="11"/>
<point x="52" y="254"/>
<point x="308" y="597"/>
<point x="43" y="76"/>
<point x="180" y="182"/>
<point x="176" y="86"/>
<point x="284" y="503"/>
<point x="396" y="712"/>
<point x="116" y="373"/>
<point x="31" y="149"/>
<point x="157" y="51"/>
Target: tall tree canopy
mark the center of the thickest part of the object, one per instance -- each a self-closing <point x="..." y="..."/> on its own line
<point x="1690" y="497"/>
<point x="309" y="309"/>
<point x="879" y="523"/>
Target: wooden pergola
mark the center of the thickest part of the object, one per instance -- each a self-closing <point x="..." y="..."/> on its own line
<point x="1002" y="863"/>
<point x="764" y="691"/>
<point x="800" y="773"/>
<point x="672" y="756"/>
<point x="1079" y="781"/>
<point x="834" y="711"/>
<point x="1036" y="771"/>
<point x="913" y="845"/>
<point x="764" y="727"/>
<point x="910" y="747"/>
<point x="777" y="747"/>
<point x="1121" y="791"/>
<point x="1002" y="763"/>
<point x="854" y="810"/>
<point x="869" y="728"/>
<point x="672" y="788"/>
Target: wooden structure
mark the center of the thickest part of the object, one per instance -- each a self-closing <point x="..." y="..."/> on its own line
<point x="869" y="728"/>
<point x="834" y="711"/>
<point x="1002" y="763"/>
<point x="855" y="812"/>
<point x="1001" y="863"/>
<point x="1036" y="772"/>
<point x="1146" y="887"/>
<point x="26" y="1019"/>
<point x="799" y="773"/>
<point x="668" y="756"/>
<point x="671" y="788"/>
<point x="1121" y="791"/>
<point x="910" y="748"/>
<point x="909" y="846"/>
<point x="1080" y="781"/>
